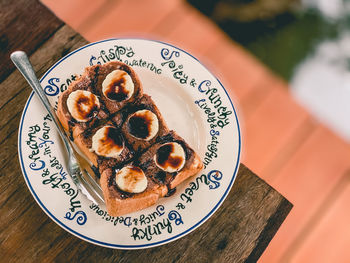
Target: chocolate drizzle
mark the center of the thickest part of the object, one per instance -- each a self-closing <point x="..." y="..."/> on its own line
<point x="94" y="80"/>
<point x="170" y="138"/>
<point x="160" y="177"/>
<point x="124" y="195"/>
<point x="139" y="125"/>
<point x="71" y="124"/>
<point x="114" y="137"/>
<point x="87" y="101"/>
<point x="170" y="191"/>
<point x="111" y="140"/>
<point x="164" y="157"/>
<point x="117" y="89"/>
<point x="145" y="165"/>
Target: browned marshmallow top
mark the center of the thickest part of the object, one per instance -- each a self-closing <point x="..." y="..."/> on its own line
<point x="108" y="142"/>
<point x="82" y="105"/>
<point x="131" y="179"/>
<point x="118" y="86"/>
<point x="170" y="157"/>
<point x="143" y="124"/>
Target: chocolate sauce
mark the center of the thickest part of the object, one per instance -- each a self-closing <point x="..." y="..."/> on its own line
<point x="170" y="191"/>
<point x="71" y="124"/>
<point x="88" y="133"/>
<point x="87" y="101"/>
<point x="170" y="138"/>
<point x="114" y="138"/>
<point x="166" y="138"/>
<point x="104" y="113"/>
<point x="165" y="159"/>
<point x="140" y="125"/>
<point x="124" y="195"/>
<point x="117" y="89"/>
<point x="160" y="177"/>
<point x="94" y="80"/>
<point x="144" y="165"/>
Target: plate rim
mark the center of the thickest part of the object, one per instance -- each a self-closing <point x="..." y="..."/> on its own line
<point x="116" y="246"/>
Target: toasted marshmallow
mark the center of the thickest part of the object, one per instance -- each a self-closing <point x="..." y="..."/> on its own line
<point x="170" y="157"/>
<point x="107" y="142"/>
<point x="143" y="124"/>
<point x="82" y="105"/>
<point x="131" y="179"/>
<point x="118" y="86"/>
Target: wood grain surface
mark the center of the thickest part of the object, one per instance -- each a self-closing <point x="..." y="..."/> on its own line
<point x="26" y="25"/>
<point x="238" y="232"/>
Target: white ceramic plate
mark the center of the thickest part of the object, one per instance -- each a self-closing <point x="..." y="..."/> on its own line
<point x="193" y="103"/>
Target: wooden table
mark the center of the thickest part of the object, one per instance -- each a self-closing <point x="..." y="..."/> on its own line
<point x="238" y="232"/>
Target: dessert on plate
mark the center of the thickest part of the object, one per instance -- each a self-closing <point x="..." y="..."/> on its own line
<point x="122" y="132"/>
